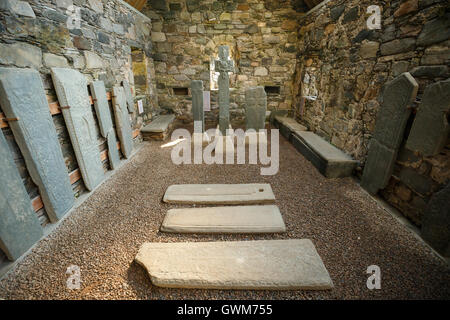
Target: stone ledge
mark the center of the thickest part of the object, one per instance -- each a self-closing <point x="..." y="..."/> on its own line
<point x="288" y="126"/>
<point x="329" y="160"/>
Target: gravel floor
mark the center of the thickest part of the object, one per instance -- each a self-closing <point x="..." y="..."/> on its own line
<point x="348" y="228"/>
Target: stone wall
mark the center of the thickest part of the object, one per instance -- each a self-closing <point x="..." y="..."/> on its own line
<point x="110" y="43"/>
<point x="186" y="35"/>
<point x="345" y="65"/>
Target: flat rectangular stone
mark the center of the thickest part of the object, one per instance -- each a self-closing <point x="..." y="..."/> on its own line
<point x="246" y="265"/>
<point x="123" y="125"/>
<point x="72" y="92"/>
<point x="128" y="95"/>
<point x="219" y="194"/>
<point x="329" y="160"/>
<point x="232" y="219"/>
<point x="19" y="225"/>
<point x="255" y="108"/>
<point x="101" y="106"/>
<point x="113" y="152"/>
<point x="22" y="96"/>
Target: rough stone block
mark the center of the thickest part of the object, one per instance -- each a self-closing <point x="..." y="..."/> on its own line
<point x="21" y="55"/>
<point x="379" y="167"/>
<point x="21" y="8"/>
<point x="255" y="108"/>
<point x="72" y="92"/>
<point x="265" y="264"/>
<point x="22" y="96"/>
<point x="430" y="128"/>
<point x="394" y="111"/>
<point x="159" y="128"/>
<point x="19" y="225"/>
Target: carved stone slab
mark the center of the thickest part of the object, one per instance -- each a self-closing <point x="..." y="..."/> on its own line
<point x="231" y="219"/>
<point x="128" y="95"/>
<point x="19" y="225"/>
<point x="253" y="193"/>
<point x="123" y="125"/>
<point x="255" y="108"/>
<point x="113" y="153"/>
<point x="101" y="105"/>
<point x="22" y="96"/>
<point x="430" y="129"/>
<point x="223" y="66"/>
<point x="197" y="105"/>
<point x="265" y="264"/>
<point x="71" y="89"/>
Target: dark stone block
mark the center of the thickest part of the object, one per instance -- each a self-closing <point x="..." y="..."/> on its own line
<point x="192" y="5"/>
<point x="435" y="31"/>
<point x="351" y="15"/>
<point x="158" y="5"/>
<point x="436" y="222"/>
<point x="81" y="43"/>
<point x="175" y="6"/>
<point x="398" y="46"/>
<point x="378" y="168"/>
<point x="253" y="28"/>
<point x="363" y="35"/>
<point x="430" y="128"/>
<point x="336" y="12"/>
<point x="430" y="71"/>
<point x="419" y="183"/>
<point x="54" y="15"/>
<point x="103" y="38"/>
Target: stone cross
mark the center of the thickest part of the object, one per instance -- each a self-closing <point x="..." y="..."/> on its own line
<point x="255" y="108"/>
<point x="224" y="65"/>
<point x="197" y="105"/>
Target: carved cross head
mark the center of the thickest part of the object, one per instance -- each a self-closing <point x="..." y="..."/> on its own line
<point x="224" y="64"/>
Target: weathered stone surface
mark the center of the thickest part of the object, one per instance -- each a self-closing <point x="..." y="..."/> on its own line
<point x="288" y="126"/>
<point x="101" y="106"/>
<point x="379" y="167"/>
<point x="160" y="124"/>
<point x="224" y="65"/>
<point x="329" y="160"/>
<point x="19" y="225"/>
<point x="93" y="61"/>
<point x="113" y="152"/>
<point x="71" y="89"/>
<point x="22" y="96"/>
<point x="197" y="104"/>
<point x="369" y="49"/>
<point x="430" y="71"/>
<point x="21" y="8"/>
<point x="394" y="112"/>
<point x="435" y="31"/>
<point x="123" y="125"/>
<point x="265" y="264"/>
<point x="53" y="60"/>
<point x="158" y="36"/>
<point x="96" y="5"/>
<point x="21" y="55"/>
<point x="233" y="219"/>
<point x="128" y="96"/>
<point x="255" y="108"/>
<point x="430" y="129"/>
<point x="398" y="46"/>
<point x="436" y="222"/>
<point x="219" y="194"/>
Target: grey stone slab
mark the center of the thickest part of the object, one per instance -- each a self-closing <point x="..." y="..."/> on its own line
<point x="197" y="105"/>
<point x="252" y="265"/>
<point x="255" y="108"/>
<point x="22" y="96"/>
<point x="329" y="160"/>
<point x="19" y="225"/>
<point x="101" y="106"/>
<point x="436" y="221"/>
<point x="72" y="92"/>
<point x="430" y="128"/>
<point x="160" y="124"/>
<point x="379" y="167"/>
<point x="393" y="114"/>
<point x="21" y="8"/>
<point x="231" y="219"/>
<point x="128" y="95"/>
<point x="288" y="126"/>
<point x="219" y="194"/>
<point x="224" y="66"/>
<point x="123" y="125"/>
<point x="113" y="152"/>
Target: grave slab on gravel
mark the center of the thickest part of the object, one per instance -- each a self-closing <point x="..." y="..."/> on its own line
<point x="254" y="193"/>
<point x="236" y="219"/>
<point x="265" y="264"/>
